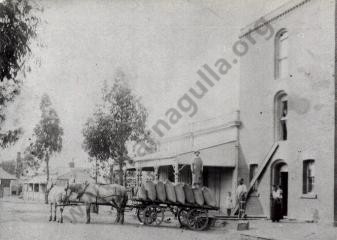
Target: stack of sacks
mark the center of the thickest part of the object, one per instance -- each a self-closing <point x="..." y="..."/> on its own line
<point x="189" y="196"/>
<point x="161" y="193"/>
<point x="170" y="193"/>
<point x="180" y="194"/>
<point x="209" y="197"/>
<point x="141" y="193"/>
<point x="198" y="196"/>
<point x="150" y="190"/>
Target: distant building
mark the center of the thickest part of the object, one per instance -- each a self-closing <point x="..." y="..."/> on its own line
<point x="6" y="180"/>
<point x="35" y="188"/>
<point x="78" y="175"/>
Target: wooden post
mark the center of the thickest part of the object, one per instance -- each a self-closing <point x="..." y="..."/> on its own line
<point x="138" y="176"/>
<point x="176" y="172"/>
<point x="156" y="173"/>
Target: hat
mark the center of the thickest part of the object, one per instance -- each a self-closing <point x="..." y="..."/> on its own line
<point x="196" y="151"/>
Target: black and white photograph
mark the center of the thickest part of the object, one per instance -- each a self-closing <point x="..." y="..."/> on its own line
<point x="168" y="119"/>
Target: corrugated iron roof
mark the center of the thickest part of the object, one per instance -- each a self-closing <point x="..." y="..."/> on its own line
<point x="79" y="174"/>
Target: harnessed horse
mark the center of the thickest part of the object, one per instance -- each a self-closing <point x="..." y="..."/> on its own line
<point x="90" y="193"/>
<point x="57" y="197"/>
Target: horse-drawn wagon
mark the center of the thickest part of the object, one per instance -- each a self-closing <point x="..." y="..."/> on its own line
<point x="190" y="206"/>
<point x="192" y="216"/>
<point x="153" y="200"/>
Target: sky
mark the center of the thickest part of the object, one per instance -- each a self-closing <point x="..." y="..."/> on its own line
<point x="158" y="44"/>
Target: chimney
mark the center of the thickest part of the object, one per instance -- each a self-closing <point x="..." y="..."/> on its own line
<point x="18" y="165"/>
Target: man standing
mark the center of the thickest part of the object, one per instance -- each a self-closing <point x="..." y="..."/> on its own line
<point x="229" y="203"/>
<point x="196" y="169"/>
<point x="241" y="196"/>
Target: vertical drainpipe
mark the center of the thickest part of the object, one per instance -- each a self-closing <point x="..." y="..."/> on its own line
<point x="335" y="138"/>
<point x="237" y="149"/>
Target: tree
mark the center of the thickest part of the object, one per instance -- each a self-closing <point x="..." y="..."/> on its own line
<point x="9" y="166"/>
<point x="30" y="160"/>
<point x="18" y="23"/>
<point x="120" y="120"/>
<point x="47" y="133"/>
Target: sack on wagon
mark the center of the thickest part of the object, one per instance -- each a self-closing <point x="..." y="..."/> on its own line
<point x="161" y="192"/>
<point x="209" y="196"/>
<point x="150" y="190"/>
<point x="180" y="194"/>
<point x="141" y="193"/>
<point x="189" y="196"/>
<point x="170" y="193"/>
<point x="198" y="196"/>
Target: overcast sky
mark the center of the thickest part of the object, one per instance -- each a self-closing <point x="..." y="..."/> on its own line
<point x="160" y="45"/>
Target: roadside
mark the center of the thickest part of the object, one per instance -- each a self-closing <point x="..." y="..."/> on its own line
<point x="285" y="230"/>
<point x="17" y="213"/>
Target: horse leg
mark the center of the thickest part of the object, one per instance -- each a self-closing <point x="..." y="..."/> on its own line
<point x="122" y="215"/>
<point x="51" y="212"/>
<point x="55" y="208"/>
<point x="118" y="215"/>
<point x="122" y="208"/>
<point x="61" y="212"/>
<point x="88" y="212"/>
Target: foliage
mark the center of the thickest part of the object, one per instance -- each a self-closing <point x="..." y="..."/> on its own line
<point x="30" y="159"/>
<point x="48" y="133"/>
<point x="9" y="166"/>
<point x="119" y="120"/>
<point x="18" y="23"/>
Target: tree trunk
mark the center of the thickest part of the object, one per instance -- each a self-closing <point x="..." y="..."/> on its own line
<point x="47" y="172"/>
<point x="111" y="173"/>
<point x="121" y="173"/>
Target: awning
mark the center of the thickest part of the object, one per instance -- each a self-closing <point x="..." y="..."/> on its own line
<point x="222" y="155"/>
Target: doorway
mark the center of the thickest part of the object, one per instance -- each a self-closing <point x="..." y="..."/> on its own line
<point x="280" y="177"/>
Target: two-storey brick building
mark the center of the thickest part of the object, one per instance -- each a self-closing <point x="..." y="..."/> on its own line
<point x="287" y="105"/>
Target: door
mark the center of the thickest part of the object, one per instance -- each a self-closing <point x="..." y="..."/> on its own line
<point x="280" y="178"/>
<point x="284" y="187"/>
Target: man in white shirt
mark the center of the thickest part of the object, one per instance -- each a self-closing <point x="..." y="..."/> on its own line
<point x="241" y="195"/>
<point x="197" y="169"/>
<point x="241" y="190"/>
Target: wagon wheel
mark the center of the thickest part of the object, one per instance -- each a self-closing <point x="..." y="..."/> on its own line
<point x="182" y="217"/>
<point x="153" y="214"/>
<point x="197" y="219"/>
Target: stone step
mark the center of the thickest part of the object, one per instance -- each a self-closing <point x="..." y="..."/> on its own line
<point x="250" y="217"/>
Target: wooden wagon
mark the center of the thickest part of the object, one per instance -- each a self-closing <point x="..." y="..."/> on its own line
<point x="192" y="216"/>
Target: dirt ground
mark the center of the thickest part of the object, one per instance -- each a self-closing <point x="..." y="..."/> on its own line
<point x="26" y="220"/>
<point x="29" y="220"/>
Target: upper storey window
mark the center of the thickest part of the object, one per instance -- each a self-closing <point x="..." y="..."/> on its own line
<point x="281" y="54"/>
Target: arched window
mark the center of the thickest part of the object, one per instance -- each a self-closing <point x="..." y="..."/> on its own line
<point x="280" y="116"/>
<point x="281" y="54"/>
<point x="308" y="176"/>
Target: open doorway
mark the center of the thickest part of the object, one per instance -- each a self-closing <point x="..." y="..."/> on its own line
<point x="280" y="178"/>
<point x="280" y="116"/>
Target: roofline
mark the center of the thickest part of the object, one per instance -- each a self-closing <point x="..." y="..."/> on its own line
<point x="171" y="155"/>
<point x="272" y="16"/>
